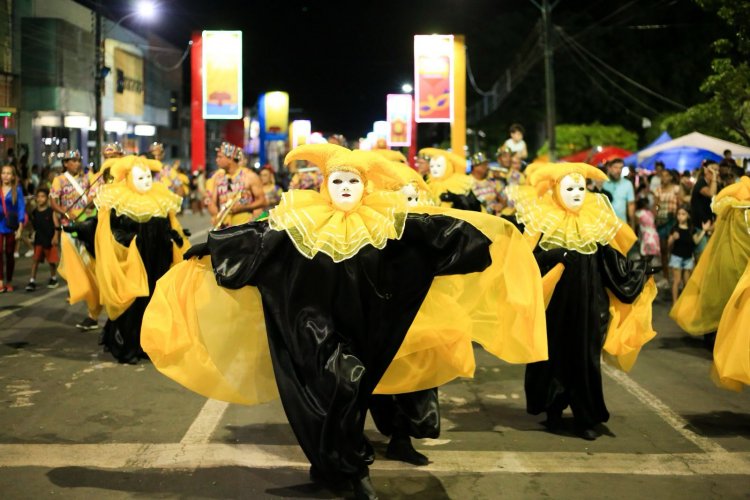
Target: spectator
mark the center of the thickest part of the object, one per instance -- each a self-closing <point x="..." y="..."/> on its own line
<point x="727" y="174"/>
<point x="667" y="199"/>
<point x="503" y="159"/>
<point x="654" y="182"/>
<point x="46" y="238"/>
<point x="623" y="195"/>
<point x="11" y="224"/>
<point x="650" y="250"/>
<point x="516" y="144"/>
<point x="728" y="157"/>
<point x="273" y="191"/>
<point x="682" y="241"/>
<point x="197" y="191"/>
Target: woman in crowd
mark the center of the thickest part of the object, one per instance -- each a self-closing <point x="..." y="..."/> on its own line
<point x="12" y="216"/>
<point x="666" y="200"/>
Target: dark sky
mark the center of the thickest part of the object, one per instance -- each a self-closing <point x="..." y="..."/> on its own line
<point x="338" y="60"/>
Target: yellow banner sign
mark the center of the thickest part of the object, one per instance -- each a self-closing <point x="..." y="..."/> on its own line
<point x="129" y="83"/>
<point x="222" y="74"/>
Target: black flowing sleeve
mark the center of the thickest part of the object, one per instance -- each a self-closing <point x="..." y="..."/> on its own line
<point x="236" y="253"/>
<point x="624" y="277"/>
<point x="454" y="245"/>
<point x="547" y="259"/>
<point x="84" y="232"/>
<point x="123" y="228"/>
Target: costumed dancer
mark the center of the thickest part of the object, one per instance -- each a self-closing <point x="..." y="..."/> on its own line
<point x="448" y="181"/>
<point x="70" y="198"/>
<point x="342" y="275"/>
<point x="136" y="238"/>
<point x="234" y="193"/>
<point x="485" y="189"/>
<point x="601" y="299"/>
<point x="716" y="295"/>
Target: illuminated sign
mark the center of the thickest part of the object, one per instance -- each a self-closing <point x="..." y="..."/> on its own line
<point x="300" y="131"/>
<point x="433" y="77"/>
<point x="128" y="73"/>
<point x="222" y="74"/>
<point x="399" y="117"/>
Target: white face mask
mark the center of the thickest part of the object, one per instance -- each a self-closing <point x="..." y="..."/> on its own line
<point x="411" y="195"/>
<point x="346" y="189"/>
<point x="142" y="180"/>
<point x="437" y="167"/>
<point x="573" y="191"/>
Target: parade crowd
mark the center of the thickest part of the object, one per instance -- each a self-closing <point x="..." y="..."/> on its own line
<point x="371" y="280"/>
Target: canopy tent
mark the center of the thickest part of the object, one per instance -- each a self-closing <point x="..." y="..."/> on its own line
<point x="697" y="140"/>
<point x="598" y="155"/>
<point x="680" y="158"/>
<point x="632" y="160"/>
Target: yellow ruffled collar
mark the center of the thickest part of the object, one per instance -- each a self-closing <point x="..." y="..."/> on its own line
<point x="314" y="225"/>
<point x="156" y="202"/>
<point x="594" y="224"/>
<point x="456" y="183"/>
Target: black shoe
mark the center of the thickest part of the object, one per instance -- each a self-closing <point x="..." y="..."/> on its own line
<point x="88" y="324"/>
<point x="363" y="489"/>
<point x="401" y="449"/>
<point x="554" y="421"/>
<point x="588" y="434"/>
<point x="31" y="286"/>
<point x="53" y="283"/>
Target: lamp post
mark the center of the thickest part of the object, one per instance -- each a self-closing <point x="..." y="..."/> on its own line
<point x="145" y="10"/>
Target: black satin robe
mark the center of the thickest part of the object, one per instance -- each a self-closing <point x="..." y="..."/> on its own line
<point x="577" y="322"/>
<point x="122" y="336"/>
<point x="333" y="328"/>
<point x="415" y="414"/>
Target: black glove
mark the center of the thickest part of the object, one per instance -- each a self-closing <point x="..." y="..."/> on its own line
<point x="70" y="228"/>
<point x="449" y="197"/>
<point x="176" y="237"/>
<point x="547" y="259"/>
<point x="199" y="250"/>
<point x="650" y="270"/>
<point x="186" y="232"/>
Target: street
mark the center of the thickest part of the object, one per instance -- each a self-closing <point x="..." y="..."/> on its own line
<point x="76" y="424"/>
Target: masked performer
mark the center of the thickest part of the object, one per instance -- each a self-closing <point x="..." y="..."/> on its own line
<point x="136" y="238"/>
<point x="448" y="181"/>
<point x="578" y="240"/>
<point x="715" y="296"/>
<point x="341" y="275"/>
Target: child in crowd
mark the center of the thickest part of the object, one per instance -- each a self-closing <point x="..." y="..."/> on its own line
<point x="647" y="232"/>
<point x="46" y="237"/>
<point x="682" y="242"/>
<point x="516" y="145"/>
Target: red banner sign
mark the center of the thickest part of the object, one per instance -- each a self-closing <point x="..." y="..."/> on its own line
<point x="433" y="77"/>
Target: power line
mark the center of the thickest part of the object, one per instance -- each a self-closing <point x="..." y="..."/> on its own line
<point x="618" y="73"/>
<point x="471" y="77"/>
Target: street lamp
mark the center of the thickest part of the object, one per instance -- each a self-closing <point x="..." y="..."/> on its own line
<point x="145" y="10"/>
<point x="407" y="88"/>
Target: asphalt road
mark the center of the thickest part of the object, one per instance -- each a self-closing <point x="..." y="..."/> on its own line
<point x="75" y="424"/>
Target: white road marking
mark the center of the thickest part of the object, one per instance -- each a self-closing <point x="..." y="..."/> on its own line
<point x="183" y="456"/>
<point x="205" y="423"/>
<point x="669" y="416"/>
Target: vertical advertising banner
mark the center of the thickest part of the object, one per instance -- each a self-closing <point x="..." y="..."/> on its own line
<point x="399" y="117"/>
<point x="276" y="113"/>
<point x="380" y="129"/>
<point x="128" y="73"/>
<point x="433" y="78"/>
<point x="222" y="75"/>
<point x="300" y="131"/>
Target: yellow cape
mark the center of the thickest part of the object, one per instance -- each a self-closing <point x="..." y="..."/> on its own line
<point x="700" y="306"/>
<point x="731" y="368"/>
<point x="501" y="308"/>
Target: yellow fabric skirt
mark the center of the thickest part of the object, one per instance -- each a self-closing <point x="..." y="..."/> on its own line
<point x="212" y="340"/>
<point x="731" y="368"/>
<point x="700" y="306"/>
<point x="78" y="269"/>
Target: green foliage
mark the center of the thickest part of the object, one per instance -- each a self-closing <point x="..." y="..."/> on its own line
<point x="726" y="114"/>
<point x="572" y="138"/>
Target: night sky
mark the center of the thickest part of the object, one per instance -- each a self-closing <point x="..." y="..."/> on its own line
<point x="338" y="60"/>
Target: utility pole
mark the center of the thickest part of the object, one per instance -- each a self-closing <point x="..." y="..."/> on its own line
<point x="549" y="75"/>
<point x="99" y="67"/>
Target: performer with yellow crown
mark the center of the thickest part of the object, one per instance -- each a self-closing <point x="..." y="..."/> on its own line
<point x="342" y="275"/>
<point x="234" y="193"/>
<point x="600" y="299"/>
<point x="715" y="297"/>
<point x="448" y="181"/>
<point x="136" y="238"/>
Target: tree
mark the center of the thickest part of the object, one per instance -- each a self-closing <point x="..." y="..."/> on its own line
<point x="727" y="111"/>
<point x="572" y="138"/>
